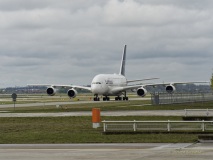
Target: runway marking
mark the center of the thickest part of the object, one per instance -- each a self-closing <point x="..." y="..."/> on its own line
<point x="186" y="151"/>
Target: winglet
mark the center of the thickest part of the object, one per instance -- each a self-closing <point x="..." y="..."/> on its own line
<point x="123" y="62"/>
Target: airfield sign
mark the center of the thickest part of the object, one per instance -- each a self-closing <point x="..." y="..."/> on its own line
<point x="14" y="96"/>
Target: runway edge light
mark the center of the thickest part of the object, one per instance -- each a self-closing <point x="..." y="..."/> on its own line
<point x="96" y="117"/>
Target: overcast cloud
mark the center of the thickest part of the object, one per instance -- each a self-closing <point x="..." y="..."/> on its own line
<point x="69" y="42"/>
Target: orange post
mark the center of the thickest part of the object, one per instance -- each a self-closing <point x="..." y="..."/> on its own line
<point x="96" y="117"/>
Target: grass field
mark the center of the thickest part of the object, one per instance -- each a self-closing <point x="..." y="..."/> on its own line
<point x="109" y="106"/>
<point x="79" y="129"/>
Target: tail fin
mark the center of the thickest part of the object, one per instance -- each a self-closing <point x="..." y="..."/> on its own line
<point x="123" y="62"/>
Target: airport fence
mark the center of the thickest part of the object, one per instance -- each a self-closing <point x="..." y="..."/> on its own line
<point x="159" y="126"/>
<point x="175" y="98"/>
<point x="202" y="112"/>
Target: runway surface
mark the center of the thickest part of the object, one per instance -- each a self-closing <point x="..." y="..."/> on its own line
<point x="47" y="104"/>
<point x="132" y="151"/>
<point x="107" y="113"/>
<point x="62" y="103"/>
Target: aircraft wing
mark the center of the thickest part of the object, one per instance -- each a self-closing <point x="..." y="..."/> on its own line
<point x="137" y="80"/>
<point x="62" y="86"/>
<point x="173" y="83"/>
<point x="120" y="89"/>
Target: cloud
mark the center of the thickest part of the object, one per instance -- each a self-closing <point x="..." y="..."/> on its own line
<point x="71" y="41"/>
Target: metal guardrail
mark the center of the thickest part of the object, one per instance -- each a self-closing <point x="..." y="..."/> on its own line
<point x="206" y="112"/>
<point x="157" y="126"/>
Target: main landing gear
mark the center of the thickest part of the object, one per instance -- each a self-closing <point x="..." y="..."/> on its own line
<point x="106" y="98"/>
<point x="125" y="98"/>
<point x="96" y="98"/>
<point x="121" y="98"/>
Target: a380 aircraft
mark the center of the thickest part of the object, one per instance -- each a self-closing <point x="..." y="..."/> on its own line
<point x="111" y="85"/>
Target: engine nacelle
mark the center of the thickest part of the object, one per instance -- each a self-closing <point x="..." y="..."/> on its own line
<point x="72" y="93"/>
<point x="51" y="91"/>
<point x="170" y="88"/>
<point x="141" y="92"/>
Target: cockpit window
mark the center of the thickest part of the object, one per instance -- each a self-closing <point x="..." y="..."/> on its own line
<point x="96" y="83"/>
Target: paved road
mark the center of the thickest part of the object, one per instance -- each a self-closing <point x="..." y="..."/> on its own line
<point x="135" y="151"/>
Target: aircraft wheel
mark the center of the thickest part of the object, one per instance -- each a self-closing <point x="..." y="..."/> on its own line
<point x="96" y="99"/>
<point x="125" y="98"/>
<point x="106" y="98"/>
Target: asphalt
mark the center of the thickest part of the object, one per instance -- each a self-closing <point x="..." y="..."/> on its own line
<point x="132" y="151"/>
<point x="47" y="104"/>
<point x="108" y="113"/>
<point x="61" y="103"/>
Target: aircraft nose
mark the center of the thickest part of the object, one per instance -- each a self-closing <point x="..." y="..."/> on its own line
<point x="94" y="88"/>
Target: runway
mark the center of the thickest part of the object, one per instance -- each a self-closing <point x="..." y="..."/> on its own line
<point x="107" y="113"/>
<point x="48" y="104"/>
<point x="62" y="103"/>
<point x="132" y="151"/>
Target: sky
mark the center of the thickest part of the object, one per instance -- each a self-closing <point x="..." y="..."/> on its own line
<point x="69" y="42"/>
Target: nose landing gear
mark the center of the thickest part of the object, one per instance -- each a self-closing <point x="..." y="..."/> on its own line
<point x="96" y="98"/>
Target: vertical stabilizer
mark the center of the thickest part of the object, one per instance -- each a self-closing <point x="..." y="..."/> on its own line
<point x="123" y="62"/>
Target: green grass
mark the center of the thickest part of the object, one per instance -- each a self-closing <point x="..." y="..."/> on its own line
<point x="77" y="130"/>
<point x="110" y="106"/>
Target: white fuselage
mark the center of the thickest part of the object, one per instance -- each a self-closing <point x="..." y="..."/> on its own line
<point x="106" y="84"/>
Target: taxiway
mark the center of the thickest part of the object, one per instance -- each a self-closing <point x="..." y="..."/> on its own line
<point x="133" y="151"/>
<point x="105" y="113"/>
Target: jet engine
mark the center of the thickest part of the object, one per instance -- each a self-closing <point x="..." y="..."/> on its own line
<point x="170" y="88"/>
<point x="51" y="91"/>
<point x="72" y="93"/>
<point x="141" y="92"/>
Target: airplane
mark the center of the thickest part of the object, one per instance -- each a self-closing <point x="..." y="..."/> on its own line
<point x="111" y="85"/>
